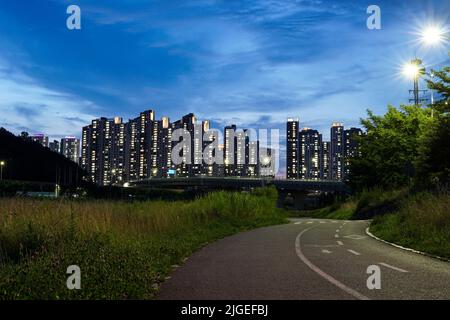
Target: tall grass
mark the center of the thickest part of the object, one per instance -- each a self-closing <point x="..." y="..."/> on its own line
<point x="422" y="223"/>
<point x="364" y="205"/>
<point x="123" y="249"/>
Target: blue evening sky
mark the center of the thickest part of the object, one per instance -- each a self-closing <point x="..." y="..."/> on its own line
<point x="253" y="63"/>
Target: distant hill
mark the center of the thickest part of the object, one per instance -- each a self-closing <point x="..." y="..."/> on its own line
<point x="29" y="161"/>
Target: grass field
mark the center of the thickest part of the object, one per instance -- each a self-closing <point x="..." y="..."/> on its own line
<point x="421" y="223"/>
<point x="124" y="249"/>
<point x="364" y="205"/>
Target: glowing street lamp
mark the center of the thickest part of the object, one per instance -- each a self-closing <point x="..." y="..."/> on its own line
<point x="432" y="35"/>
<point x="265" y="160"/>
<point x="413" y="70"/>
<point x="2" y="164"/>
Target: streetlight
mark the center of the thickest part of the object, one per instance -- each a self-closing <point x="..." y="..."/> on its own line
<point x="414" y="70"/>
<point x="2" y="164"/>
<point x="411" y="69"/>
<point x="433" y="35"/>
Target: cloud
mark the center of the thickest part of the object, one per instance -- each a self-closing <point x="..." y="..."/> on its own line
<point x="28" y="105"/>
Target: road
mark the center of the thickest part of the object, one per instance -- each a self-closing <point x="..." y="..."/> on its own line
<point x="306" y="259"/>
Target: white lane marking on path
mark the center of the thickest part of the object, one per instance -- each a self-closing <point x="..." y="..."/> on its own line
<point x="334" y="221"/>
<point x="336" y="236"/>
<point x="298" y="222"/>
<point x="392" y="267"/>
<point x="355" y="237"/>
<point x="340" y="285"/>
<point x="309" y="222"/>
<point x="321" y="245"/>
<point x="326" y="251"/>
<point x="340" y="243"/>
<point x="321" y="221"/>
<point x="337" y="230"/>
<point x="354" y="252"/>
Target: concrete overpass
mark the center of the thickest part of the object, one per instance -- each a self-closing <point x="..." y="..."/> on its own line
<point x="298" y="189"/>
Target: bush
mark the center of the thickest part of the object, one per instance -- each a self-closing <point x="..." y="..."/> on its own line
<point x="124" y="249"/>
<point x="377" y="201"/>
<point x="422" y="223"/>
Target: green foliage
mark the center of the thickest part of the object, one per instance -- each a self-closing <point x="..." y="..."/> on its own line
<point x="363" y="205"/>
<point x="124" y="249"/>
<point x="342" y="211"/>
<point x="376" y="201"/>
<point x="440" y="83"/>
<point x="390" y="147"/>
<point x="408" y="144"/>
<point x="433" y="160"/>
<point x="422" y="223"/>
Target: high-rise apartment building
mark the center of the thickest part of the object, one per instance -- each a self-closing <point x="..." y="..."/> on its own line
<point x="186" y="127"/>
<point x="54" y="146"/>
<point x="351" y="148"/>
<point x="41" y="139"/>
<point x="267" y="158"/>
<point x="337" y="150"/>
<point x="310" y="152"/>
<point x="325" y="161"/>
<point x="229" y="150"/>
<point x="117" y="151"/>
<point x="164" y="146"/>
<point x="241" y="154"/>
<point x="70" y="148"/>
<point x="95" y="151"/>
<point x="114" y="152"/>
<point x="252" y="158"/>
<point x="292" y="149"/>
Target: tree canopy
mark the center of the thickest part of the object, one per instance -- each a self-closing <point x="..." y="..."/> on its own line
<point x="409" y="144"/>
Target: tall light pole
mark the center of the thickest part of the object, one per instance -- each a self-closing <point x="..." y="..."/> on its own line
<point x="430" y="36"/>
<point x="414" y="70"/>
<point x="2" y="164"/>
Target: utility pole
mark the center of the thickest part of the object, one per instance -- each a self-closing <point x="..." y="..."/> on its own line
<point x="416" y="70"/>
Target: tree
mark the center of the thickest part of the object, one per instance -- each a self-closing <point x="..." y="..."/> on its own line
<point x="442" y="86"/>
<point x="389" y="148"/>
<point x="433" y="161"/>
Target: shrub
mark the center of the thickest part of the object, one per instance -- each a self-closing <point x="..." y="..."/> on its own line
<point x="124" y="249"/>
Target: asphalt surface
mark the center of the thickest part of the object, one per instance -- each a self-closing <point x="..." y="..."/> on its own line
<point x="306" y="259"/>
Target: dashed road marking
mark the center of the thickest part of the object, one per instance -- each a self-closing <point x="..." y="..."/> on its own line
<point x="336" y="236"/>
<point x="337" y="230"/>
<point x="354" y="252"/>
<point x="355" y="237"/>
<point x="326" y="276"/>
<point x="298" y="222"/>
<point x="309" y="222"/>
<point x="340" y="243"/>
<point x="326" y="251"/>
<point x="392" y="267"/>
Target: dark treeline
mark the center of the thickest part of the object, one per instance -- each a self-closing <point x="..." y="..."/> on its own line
<point x="26" y="160"/>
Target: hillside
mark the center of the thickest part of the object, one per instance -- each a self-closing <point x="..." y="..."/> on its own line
<point x="29" y="161"/>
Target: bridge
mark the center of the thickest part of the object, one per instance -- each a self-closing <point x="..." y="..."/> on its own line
<point x="297" y="189"/>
